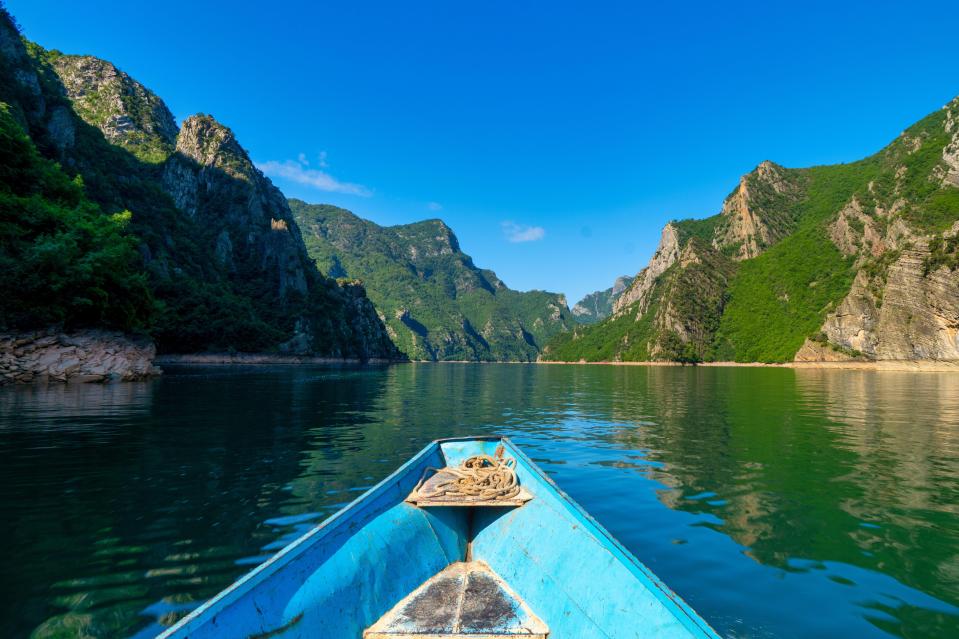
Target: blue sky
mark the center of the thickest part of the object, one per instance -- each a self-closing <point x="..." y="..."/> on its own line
<point x="555" y="138"/>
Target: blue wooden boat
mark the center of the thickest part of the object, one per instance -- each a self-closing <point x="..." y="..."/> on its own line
<point x="402" y="562"/>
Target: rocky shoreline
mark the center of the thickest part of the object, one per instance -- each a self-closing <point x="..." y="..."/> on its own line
<point x="52" y="356"/>
<point x="81" y="356"/>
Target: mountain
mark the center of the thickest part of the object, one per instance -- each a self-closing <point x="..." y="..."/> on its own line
<point x="598" y="305"/>
<point x="206" y="254"/>
<point x="437" y="305"/>
<point x="850" y="261"/>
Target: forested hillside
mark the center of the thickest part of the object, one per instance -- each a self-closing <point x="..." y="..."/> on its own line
<point x="115" y="217"/>
<point x="831" y="262"/>
<point x="436" y="303"/>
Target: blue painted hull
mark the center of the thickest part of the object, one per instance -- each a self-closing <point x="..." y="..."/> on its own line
<point x="340" y="578"/>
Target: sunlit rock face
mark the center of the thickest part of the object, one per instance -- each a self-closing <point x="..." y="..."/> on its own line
<point x="667" y="252"/>
<point x="126" y="112"/>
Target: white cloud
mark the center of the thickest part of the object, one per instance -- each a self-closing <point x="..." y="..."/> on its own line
<point x="302" y="158"/>
<point x="521" y="233"/>
<point x="434" y="206"/>
<point x="322" y="157"/>
<point x="297" y="171"/>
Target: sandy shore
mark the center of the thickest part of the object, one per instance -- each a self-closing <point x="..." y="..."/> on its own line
<point x="256" y="359"/>
<point x="938" y="366"/>
<point x="932" y="366"/>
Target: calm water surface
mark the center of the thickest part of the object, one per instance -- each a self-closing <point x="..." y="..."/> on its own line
<point x="778" y="503"/>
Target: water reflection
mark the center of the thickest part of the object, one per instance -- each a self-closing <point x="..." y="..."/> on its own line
<point x="760" y="495"/>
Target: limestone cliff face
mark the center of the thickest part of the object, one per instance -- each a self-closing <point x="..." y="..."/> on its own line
<point x="667" y="252"/>
<point x="221" y="252"/>
<point x="756" y="215"/>
<point x="949" y="169"/>
<point x="129" y="115"/>
<point x="245" y="218"/>
<point x="852" y="261"/>
<point x="913" y="313"/>
<point x="247" y="224"/>
<point x="904" y="301"/>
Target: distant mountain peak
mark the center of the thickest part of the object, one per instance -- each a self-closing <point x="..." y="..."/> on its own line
<point x="598" y="305"/>
<point x="437" y="304"/>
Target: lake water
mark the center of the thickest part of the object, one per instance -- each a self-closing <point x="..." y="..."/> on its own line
<point x="778" y="503"/>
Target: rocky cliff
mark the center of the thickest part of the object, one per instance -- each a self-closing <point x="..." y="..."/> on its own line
<point x="207" y="176"/>
<point x="853" y="261"/>
<point x="219" y="248"/>
<point x="598" y="305"/>
<point x="129" y="115"/>
<point x="904" y="300"/>
<point x="436" y="303"/>
<point x="759" y="212"/>
<point x="667" y="252"/>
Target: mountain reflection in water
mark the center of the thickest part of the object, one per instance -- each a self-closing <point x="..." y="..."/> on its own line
<point x="778" y="503"/>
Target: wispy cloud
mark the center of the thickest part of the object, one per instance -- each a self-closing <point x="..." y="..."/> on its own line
<point x="434" y="206"/>
<point x="521" y="233"/>
<point x="298" y="171"/>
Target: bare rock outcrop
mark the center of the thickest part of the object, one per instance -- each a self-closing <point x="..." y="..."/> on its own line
<point x="83" y="356"/>
<point x="665" y="256"/>
<point x="598" y="305"/>
<point x="128" y="114"/>
<point x="950" y="154"/>
<point x="755" y="216"/>
<point x="853" y="231"/>
<point x="813" y="351"/>
<point x="246" y="218"/>
<point x="914" y="316"/>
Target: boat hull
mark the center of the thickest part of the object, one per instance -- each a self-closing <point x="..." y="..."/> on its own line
<point x="339" y="579"/>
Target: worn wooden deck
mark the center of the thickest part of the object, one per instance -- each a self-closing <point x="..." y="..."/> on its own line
<point x="464" y="600"/>
<point x="416" y="497"/>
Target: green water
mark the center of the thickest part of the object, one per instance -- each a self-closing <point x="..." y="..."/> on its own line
<point x="778" y="503"/>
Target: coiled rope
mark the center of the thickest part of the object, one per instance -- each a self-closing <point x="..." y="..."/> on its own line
<point x="487" y="477"/>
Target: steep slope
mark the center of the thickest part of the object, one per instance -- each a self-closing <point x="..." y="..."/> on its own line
<point x="675" y="319"/>
<point x="437" y="304"/>
<point x="129" y="115"/>
<point x="221" y="255"/>
<point x="830" y="262"/>
<point x="58" y="248"/>
<point x="598" y="305"/>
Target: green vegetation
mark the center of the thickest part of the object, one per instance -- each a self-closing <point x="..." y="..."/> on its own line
<point x="625" y="337"/>
<point x="696" y="294"/>
<point x="943" y="252"/>
<point x="678" y="324"/>
<point x="782" y="296"/>
<point x="436" y="302"/>
<point x="89" y="229"/>
<point x="776" y="300"/>
<point x="91" y="237"/>
<point x="62" y="261"/>
<point x="704" y="229"/>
